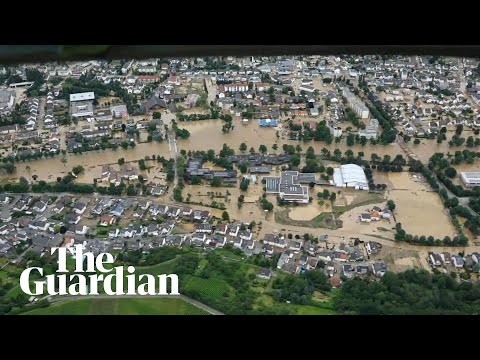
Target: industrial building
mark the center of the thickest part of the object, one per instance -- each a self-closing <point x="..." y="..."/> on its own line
<point x="82" y="96"/>
<point x="356" y="104"/>
<point x="81" y="109"/>
<point x="81" y="104"/>
<point x="288" y="186"/>
<point x="350" y="175"/>
<point x="470" y="179"/>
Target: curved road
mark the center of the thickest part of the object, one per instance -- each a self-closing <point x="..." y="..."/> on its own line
<point x="183" y="297"/>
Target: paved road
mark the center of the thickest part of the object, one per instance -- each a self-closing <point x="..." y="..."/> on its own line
<point x="183" y="297"/>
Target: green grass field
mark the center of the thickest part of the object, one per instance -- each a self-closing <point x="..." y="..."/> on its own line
<point x="320" y="221"/>
<point x="322" y="308"/>
<point x="118" y="306"/>
<point x="214" y="288"/>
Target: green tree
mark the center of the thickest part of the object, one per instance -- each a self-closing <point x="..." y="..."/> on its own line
<point x="450" y="172"/>
<point x="266" y="205"/>
<point x="196" y="180"/>
<point x="243" y="167"/>
<point x="225" y="216"/>
<point x="131" y="190"/>
<point x="243" y="147"/>
<point x="77" y="170"/>
<point x="262" y="148"/>
<point x="156" y="115"/>
<point x="350" y="139"/>
<point x="391" y="205"/>
<point x="310" y="154"/>
<point x="216" y="182"/>
<point x="333" y="197"/>
<point x="244" y="184"/>
<point x="121" y="161"/>
<point x="274" y="147"/>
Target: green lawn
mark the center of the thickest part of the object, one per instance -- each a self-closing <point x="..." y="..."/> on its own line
<point x="162" y="268"/>
<point x="3" y="277"/>
<point x="228" y="254"/>
<point x="214" y="288"/>
<point x="118" y="306"/>
<point x="320" y="221"/>
<point x="311" y="310"/>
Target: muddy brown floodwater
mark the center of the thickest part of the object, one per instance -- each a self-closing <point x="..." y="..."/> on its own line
<point x="207" y="134"/>
<point x="309" y="211"/>
<point x="427" y="148"/>
<point x="418" y="207"/>
<point x="50" y="169"/>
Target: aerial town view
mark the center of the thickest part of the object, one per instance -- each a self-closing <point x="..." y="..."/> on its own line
<point x="302" y="185"/>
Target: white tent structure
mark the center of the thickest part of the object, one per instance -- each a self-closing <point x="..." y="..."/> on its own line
<point x="350" y="175"/>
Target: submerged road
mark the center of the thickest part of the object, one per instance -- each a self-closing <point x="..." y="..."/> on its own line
<point x="183" y="297"/>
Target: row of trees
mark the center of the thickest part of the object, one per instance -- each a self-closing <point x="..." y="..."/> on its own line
<point x="354" y="119"/>
<point x="179" y="132"/>
<point x="401" y="235"/>
<point x="388" y="134"/>
<point x="214" y="114"/>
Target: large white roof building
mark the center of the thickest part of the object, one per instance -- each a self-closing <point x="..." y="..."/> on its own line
<point x="82" y="96"/>
<point x="350" y="175"/>
<point x="470" y="179"/>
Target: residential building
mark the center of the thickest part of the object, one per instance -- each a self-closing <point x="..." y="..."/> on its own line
<point x="356" y="104"/>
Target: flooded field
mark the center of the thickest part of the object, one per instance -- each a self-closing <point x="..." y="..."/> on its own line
<point x="309" y="211"/>
<point x="229" y="197"/>
<point x="418" y="208"/>
<point x="427" y="148"/>
<point x="50" y="169"/>
<point x="207" y="134"/>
